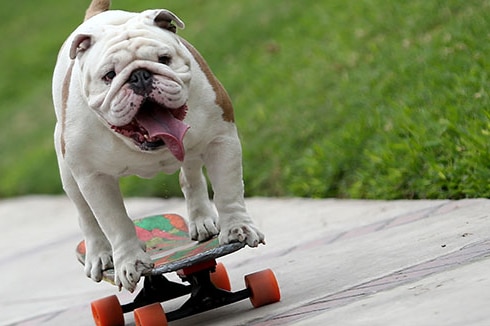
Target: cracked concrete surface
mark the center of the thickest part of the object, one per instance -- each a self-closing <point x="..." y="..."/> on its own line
<point x="338" y="262"/>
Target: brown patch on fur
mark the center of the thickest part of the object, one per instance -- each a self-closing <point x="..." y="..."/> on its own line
<point x="222" y="98"/>
<point x="96" y="7"/>
<point x="65" y="93"/>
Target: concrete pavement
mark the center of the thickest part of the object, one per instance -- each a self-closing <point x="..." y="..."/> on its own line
<point x="338" y="262"/>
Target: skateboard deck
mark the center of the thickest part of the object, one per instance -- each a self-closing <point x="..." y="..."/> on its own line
<point x="169" y="245"/>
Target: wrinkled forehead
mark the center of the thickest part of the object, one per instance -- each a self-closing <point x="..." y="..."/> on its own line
<point x="135" y="41"/>
<point x="138" y="28"/>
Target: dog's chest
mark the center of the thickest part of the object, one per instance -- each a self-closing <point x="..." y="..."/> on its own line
<point x="147" y="167"/>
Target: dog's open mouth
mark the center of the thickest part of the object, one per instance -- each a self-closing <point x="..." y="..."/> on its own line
<point x="155" y="126"/>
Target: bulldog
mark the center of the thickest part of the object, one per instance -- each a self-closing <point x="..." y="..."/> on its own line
<point x="133" y="98"/>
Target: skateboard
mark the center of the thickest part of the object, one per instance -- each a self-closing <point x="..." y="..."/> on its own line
<point x="169" y="246"/>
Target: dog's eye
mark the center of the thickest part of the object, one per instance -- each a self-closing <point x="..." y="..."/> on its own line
<point x="109" y="76"/>
<point x="164" y="59"/>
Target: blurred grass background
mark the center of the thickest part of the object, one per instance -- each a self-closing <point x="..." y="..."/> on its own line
<point x="348" y="99"/>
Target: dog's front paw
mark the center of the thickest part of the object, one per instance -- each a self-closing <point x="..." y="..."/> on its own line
<point x="129" y="265"/>
<point x="97" y="259"/>
<point x="203" y="228"/>
<point x="245" y="232"/>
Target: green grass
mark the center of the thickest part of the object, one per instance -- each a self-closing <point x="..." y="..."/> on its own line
<point x="351" y="99"/>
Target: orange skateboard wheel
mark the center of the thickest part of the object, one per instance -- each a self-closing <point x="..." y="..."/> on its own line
<point x="263" y="288"/>
<point x="151" y="315"/>
<point x="220" y="277"/>
<point x="107" y="312"/>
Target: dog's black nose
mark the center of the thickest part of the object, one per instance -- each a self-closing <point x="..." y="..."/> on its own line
<point x="141" y="81"/>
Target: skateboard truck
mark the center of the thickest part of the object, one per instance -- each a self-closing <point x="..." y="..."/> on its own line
<point x="204" y="294"/>
<point x="209" y="288"/>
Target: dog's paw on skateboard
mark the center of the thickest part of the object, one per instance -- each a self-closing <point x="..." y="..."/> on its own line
<point x="98" y="259"/>
<point x="203" y="228"/>
<point x="241" y="232"/>
<point x="129" y="266"/>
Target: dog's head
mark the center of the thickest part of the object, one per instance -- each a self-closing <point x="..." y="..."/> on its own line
<point x="135" y="74"/>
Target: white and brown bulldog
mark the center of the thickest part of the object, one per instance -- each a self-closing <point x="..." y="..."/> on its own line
<point x="133" y="98"/>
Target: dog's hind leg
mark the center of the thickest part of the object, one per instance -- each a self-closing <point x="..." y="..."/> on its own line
<point x="223" y="161"/>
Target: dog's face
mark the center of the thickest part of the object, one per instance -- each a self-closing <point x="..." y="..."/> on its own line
<point x="138" y="78"/>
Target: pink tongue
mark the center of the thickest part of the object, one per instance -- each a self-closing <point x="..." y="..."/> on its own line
<point x="160" y="123"/>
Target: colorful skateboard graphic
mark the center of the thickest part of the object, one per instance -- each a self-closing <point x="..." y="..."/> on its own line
<point x="168" y="244"/>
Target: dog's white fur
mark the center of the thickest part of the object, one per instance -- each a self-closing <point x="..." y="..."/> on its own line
<point x="92" y="157"/>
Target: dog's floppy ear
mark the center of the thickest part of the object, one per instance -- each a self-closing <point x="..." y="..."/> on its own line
<point x="80" y="44"/>
<point x="164" y="20"/>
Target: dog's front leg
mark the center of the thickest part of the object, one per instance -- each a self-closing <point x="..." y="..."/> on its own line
<point x="99" y="252"/>
<point x="223" y="161"/>
<point x="202" y="217"/>
<point x="104" y="198"/>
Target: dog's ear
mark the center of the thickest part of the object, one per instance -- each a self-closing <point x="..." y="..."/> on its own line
<point x="96" y="7"/>
<point x="80" y="44"/>
<point x="164" y="20"/>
